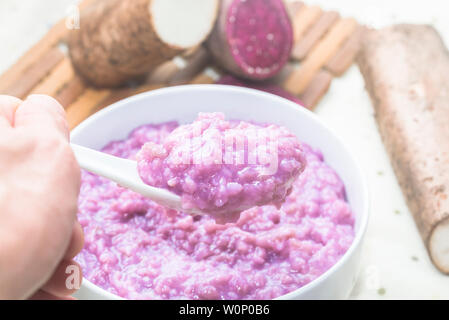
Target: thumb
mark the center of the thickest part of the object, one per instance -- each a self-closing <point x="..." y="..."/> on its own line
<point x="41" y="112"/>
<point x="8" y="106"/>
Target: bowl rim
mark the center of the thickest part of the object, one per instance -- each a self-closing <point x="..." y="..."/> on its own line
<point x="365" y="213"/>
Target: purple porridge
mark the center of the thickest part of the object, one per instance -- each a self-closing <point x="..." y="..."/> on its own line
<point x="224" y="167"/>
<point x="138" y="249"/>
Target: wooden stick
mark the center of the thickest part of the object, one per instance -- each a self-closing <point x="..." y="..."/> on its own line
<point x="84" y="106"/>
<point x="120" y="94"/>
<point x="298" y="81"/>
<point x="316" y="89"/>
<point x="57" y="79"/>
<point x="202" y="79"/>
<point x="92" y="101"/>
<point x="70" y="91"/>
<point x="345" y="56"/>
<point x="209" y="76"/>
<point x="32" y="76"/>
<point x="32" y="57"/>
<point x="293" y="8"/>
<point x="315" y="33"/>
<point x="304" y="18"/>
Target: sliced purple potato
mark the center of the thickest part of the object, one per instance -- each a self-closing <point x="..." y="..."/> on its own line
<point x="252" y="39"/>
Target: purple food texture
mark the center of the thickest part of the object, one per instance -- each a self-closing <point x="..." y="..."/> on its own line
<point x="260" y="36"/>
<point x="266" y="87"/>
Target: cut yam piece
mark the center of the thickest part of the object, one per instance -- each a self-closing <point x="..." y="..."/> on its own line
<point x="252" y="39"/>
<point x="123" y="40"/>
<point x="183" y="23"/>
<point x="439" y="245"/>
<point x="266" y="87"/>
<point x="406" y="71"/>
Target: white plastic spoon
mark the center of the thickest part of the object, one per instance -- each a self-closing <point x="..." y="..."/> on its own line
<point x="124" y="172"/>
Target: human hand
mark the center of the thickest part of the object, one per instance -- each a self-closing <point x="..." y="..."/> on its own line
<point x="39" y="186"/>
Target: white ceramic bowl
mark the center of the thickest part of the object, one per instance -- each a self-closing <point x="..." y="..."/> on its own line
<point x="183" y="104"/>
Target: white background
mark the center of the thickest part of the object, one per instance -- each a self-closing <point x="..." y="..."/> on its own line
<point x="395" y="263"/>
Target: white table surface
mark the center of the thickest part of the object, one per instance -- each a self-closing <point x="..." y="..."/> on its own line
<point x="395" y="263"/>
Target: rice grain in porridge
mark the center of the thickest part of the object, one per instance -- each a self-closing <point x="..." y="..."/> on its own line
<point x="224" y="167"/>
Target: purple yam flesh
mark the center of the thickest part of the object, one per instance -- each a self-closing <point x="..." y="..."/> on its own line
<point x="258" y="35"/>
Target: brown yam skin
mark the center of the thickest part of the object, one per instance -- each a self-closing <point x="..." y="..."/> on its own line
<point x="218" y="42"/>
<point x="117" y="43"/>
<point x="406" y="70"/>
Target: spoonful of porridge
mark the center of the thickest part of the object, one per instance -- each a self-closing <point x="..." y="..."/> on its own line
<point x="211" y="166"/>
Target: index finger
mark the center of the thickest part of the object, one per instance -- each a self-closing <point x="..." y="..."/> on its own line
<point x="8" y="106"/>
<point x="41" y="112"/>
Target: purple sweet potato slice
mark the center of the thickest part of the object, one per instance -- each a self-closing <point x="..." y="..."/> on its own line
<point x="266" y="87"/>
<point x="252" y="39"/>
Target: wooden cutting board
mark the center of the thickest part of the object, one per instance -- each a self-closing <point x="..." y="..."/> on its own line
<point x="325" y="47"/>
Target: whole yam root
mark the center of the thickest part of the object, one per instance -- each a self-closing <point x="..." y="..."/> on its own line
<point x="406" y="70"/>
